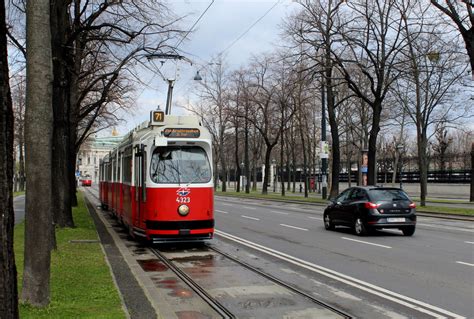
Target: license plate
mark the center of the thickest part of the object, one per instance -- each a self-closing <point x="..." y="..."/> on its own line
<point x="396" y="219"/>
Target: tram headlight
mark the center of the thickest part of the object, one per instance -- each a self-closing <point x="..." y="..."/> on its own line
<point x="183" y="210"/>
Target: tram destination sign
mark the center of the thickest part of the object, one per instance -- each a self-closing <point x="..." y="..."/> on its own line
<point x="182" y="132"/>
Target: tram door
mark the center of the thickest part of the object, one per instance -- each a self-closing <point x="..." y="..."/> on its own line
<point x="140" y="184"/>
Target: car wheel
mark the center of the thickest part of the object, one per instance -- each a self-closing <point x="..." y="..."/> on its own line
<point x="408" y="231"/>
<point x="328" y="223"/>
<point x="359" y="227"/>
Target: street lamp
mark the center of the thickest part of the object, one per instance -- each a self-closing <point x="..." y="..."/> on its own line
<point x="274" y="175"/>
<point x="400" y="160"/>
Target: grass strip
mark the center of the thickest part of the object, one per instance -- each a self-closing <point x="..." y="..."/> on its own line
<point x="443" y="201"/>
<point x="15" y="194"/>
<point x="81" y="283"/>
<point x="431" y="209"/>
<point x="274" y="196"/>
<point x="446" y="210"/>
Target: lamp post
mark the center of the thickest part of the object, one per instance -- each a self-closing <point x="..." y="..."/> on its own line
<point x="274" y="175"/>
<point x="241" y="177"/>
<point x="324" y="160"/>
<point x="400" y="164"/>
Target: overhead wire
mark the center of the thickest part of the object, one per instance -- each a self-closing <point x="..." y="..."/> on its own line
<point x="250" y="28"/>
<point x="192" y="27"/>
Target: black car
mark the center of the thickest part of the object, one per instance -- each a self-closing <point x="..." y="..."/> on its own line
<point x="371" y="207"/>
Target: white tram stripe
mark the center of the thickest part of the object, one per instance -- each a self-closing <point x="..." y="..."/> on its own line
<point x="248" y="217"/>
<point x="354" y="282"/>
<point x="299" y="228"/>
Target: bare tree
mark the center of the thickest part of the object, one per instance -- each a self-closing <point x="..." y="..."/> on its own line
<point x="215" y="92"/>
<point x="370" y="48"/>
<point x="38" y="138"/>
<point x="8" y="280"/>
<point x="18" y="96"/>
<point x="432" y="73"/>
<point x="462" y="14"/>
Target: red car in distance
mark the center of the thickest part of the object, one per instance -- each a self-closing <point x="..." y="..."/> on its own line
<point x="86" y="181"/>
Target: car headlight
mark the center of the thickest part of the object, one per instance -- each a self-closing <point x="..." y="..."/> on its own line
<point x="183" y="210"/>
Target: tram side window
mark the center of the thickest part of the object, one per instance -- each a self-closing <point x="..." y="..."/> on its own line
<point x="127" y="169"/>
<point x="174" y="165"/>
<point x="109" y="172"/>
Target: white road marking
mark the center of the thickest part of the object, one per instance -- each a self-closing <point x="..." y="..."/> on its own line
<point x="317" y="218"/>
<point x="248" y="207"/>
<point x="360" y="284"/>
<point x="253" y="218"/>
<point x="282" y="213"/>
<point x="469" y="242"/>
<point x="447" y="227"/>
<point x="365" y="242"/>
<point x="221" y="211"/>
<point x="294" y="227"/>
<point x="227" y="204"/>
<point x="463" y="263"/>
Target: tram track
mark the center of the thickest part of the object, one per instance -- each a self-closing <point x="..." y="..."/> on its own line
<point x="216" y="305"/>
<point x="198" y="289"/>
<point x="203" y="293"/>
<point x="280" y="282"/>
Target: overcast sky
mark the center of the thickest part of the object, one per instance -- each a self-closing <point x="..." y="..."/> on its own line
<point x="222" y="24"/>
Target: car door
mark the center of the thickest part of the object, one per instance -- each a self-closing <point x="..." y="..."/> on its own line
<point x="351" y="208"/>
<point x="338" y="207"/>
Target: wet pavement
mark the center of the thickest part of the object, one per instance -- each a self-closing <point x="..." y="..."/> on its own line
<point x="243" y="292"/>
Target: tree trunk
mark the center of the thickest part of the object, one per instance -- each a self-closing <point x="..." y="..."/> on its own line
<point x="305" y="161"/>
<point x="38" y="140"/>
<point x="469" y="40"/>
<point x="237" y="160"/>
<point x="246" y="153"/>
<point x="336" y="152"/>
<point x="62" y="209"/>
<point x="372" y="166"/>
<point x="8" y="280"/>
<point x="472" y="173"/>
<point x="423" y="166"/>
<point x="268" y="153"/>
<point x="21" y="163"/>
<point x="281" y="162"/>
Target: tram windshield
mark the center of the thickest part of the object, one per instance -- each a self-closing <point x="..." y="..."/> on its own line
<point x="180" y="164"/>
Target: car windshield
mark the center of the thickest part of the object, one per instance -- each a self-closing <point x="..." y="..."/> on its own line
<point x="180" y="164"/>
<point x="380" y="194"/>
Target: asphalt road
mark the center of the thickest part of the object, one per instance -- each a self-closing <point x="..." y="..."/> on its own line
<point x="385" y="275"/>
<point x="19" y="208"/>
<point x="435" y="266"/>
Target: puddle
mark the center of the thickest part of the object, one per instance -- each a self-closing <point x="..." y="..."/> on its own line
<point x="152" y="265"/>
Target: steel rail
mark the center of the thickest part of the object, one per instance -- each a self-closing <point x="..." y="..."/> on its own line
<point x="211" y="301"/>
<point x="280" y="282"/>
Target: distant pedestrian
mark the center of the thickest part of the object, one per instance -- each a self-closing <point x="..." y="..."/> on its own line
<point x="301" y="188"/>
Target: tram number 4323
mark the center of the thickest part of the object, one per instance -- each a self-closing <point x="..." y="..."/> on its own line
<point x="183" y="200"/>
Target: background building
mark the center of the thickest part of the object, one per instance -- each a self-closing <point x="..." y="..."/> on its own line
<point x="91" y="152"/>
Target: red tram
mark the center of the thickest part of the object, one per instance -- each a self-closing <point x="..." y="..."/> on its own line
<point x="158" y="180"/>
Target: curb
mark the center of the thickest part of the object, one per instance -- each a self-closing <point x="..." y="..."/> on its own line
<point x="132" y="292"/>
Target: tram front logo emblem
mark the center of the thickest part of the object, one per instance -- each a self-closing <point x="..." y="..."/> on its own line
<point x="183" y="191"/>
